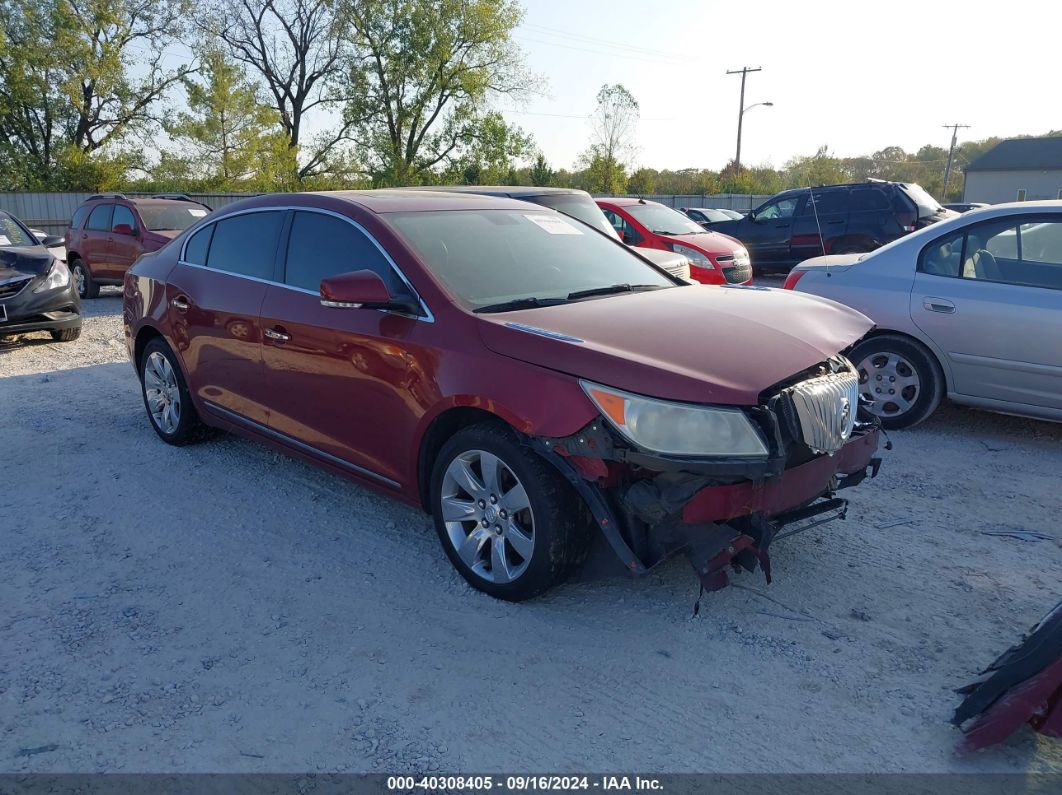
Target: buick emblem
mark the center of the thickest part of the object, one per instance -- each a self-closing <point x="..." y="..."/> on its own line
<point x="846" y="410"/>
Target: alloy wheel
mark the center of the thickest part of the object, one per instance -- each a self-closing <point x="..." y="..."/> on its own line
<point x="488" y="516"/>
<point x="79" y="279"/>
<point x="888" y="383"/>
<point x="162" y="393"/>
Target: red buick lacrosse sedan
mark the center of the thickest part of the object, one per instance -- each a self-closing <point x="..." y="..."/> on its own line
<point x="540" y="390"/>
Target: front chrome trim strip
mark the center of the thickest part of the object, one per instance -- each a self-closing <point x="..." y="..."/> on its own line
<point x="283" y="438"/>
<point x="427" y="317"/>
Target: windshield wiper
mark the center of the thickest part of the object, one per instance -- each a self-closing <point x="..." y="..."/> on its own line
<point x="612" y="289"/>
<point x="520" y="303"/>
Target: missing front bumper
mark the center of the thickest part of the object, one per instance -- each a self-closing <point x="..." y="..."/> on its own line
<point x="648" y="515"/>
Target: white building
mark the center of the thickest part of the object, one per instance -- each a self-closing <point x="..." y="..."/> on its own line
<point x="1018" y="169"/>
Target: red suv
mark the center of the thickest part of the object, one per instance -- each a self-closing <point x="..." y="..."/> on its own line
<point x="521" y="377"/>
<point x="109" y="231"/>
<point x="714" y="258"/>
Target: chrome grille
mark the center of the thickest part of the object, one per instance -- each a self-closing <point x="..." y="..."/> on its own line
<point x="826" y="407"/>
<point x="737" y="274"/>
<point x="13" y="287"/>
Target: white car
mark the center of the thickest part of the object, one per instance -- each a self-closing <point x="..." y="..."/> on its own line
<point x="970" y="307"/>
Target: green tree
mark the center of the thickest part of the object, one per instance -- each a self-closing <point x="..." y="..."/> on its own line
<point x="541" y="174"/>
<point x="642" y="181"/>
<point x="298" y="50"/>
<point x="613" y="125"/>
<point x="77" y="81"/>
<point x="421" y="79"/>
<point x="231" y="139"/>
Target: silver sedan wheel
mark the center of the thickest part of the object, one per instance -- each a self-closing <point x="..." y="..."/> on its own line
<point x="889" y="382"/>
<point x="488" y="516"/>
<point x="162" y="393"/>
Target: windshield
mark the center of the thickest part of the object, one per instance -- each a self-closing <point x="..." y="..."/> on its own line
<point x="927" y="205"/>
<point x="163" y="217"/>
<point x="577" y="206"/>
<point x="488" y="257"/>
<point x="12" y="233"/>
<point x="663" y="220"/>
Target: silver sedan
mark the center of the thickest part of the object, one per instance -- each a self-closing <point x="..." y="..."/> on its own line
<point x="970" y="308"/>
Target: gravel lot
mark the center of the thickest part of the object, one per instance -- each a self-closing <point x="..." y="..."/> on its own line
<point x="225" y="608"/>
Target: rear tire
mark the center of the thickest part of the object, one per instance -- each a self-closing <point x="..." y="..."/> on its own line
<point x="86" y="285"/>
<point x="65" y="334"/>
<point x="514" y="554"/>
<point x="166" y="397"/>
<point x="901" y="378"/>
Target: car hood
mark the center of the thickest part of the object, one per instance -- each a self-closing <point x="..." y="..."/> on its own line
<point x="709" y="242"/>
<point x="702" y="344"/>
<point x="23" y="261"/>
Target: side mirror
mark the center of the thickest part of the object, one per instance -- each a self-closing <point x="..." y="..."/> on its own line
<point x="363" y="290"/>
<point x="53" y="241"/>
<point x="124" y="229"/>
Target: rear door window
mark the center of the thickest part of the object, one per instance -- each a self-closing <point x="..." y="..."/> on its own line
<point x="322" y="245"/>
<point x="246" y="244"/>
<point x="868" y="200"/>
<point x="100" y="220"/>
<point x="826" y="202"/>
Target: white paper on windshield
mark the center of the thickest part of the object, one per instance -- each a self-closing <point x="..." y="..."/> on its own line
<point x="5" y="240"/>
<point x="197" y="213"/>
<point x="553" y="225"/>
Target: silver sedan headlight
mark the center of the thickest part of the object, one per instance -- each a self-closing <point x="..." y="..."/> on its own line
<point x="669" y="428"/>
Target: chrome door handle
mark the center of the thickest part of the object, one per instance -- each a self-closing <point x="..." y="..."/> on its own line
<point x="180" y="302"/>
<point x="276" y="334"/>
<point x="938" y="305"/>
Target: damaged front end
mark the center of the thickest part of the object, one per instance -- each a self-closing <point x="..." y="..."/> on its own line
<point x="723" y="511"/>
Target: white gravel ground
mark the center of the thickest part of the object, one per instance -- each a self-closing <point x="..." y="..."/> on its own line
<point x="225" y="608"/>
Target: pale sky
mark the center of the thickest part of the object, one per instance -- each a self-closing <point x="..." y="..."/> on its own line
<point x="858" y="75"/>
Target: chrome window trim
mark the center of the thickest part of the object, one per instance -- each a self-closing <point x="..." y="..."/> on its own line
<point x="265" y="430"/>
<point x="427" y="317"/>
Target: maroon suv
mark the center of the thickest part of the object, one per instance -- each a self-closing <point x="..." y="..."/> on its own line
<point x="521" y="377"/>
<point x="109" y="231"/>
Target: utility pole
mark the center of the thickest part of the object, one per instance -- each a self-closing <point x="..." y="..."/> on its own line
<point x="744" y="72"/>
<point x="951" y="153"/>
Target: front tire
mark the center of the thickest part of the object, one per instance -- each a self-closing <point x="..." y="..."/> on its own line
<point x="901" y="379"/>
<point x="65" y="334"/>
<point x="86" y="285"/>
<point x="508" y="521"/>
<point x="166" y="397"/>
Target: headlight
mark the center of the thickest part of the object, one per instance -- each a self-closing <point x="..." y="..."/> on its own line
<point x="693" y="255"/>
<point x="661" y="426"/>
<point x="58" y="276"/>
<point x="741" y="257"/>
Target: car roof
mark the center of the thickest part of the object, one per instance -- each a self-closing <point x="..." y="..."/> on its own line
<point x="627" y="201"/>
<point x="513" y="191"/>
<point x="388" y="200"/>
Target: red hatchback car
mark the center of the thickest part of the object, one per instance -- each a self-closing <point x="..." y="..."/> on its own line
<point x="519" y="376"/>
<point x="714" y="258"/>
<point x="110" y="230"/>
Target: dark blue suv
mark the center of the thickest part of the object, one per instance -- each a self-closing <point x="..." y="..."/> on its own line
<point x="801" y="223"/>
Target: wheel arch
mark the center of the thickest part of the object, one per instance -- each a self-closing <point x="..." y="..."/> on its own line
<point x="440" y="429"/>
<point x="934" y="355"/>
<point x="145" y="335"/>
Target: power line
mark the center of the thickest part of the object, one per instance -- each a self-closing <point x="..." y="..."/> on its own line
<point x="610" y="53"/>
<point x="547" y="31"/>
